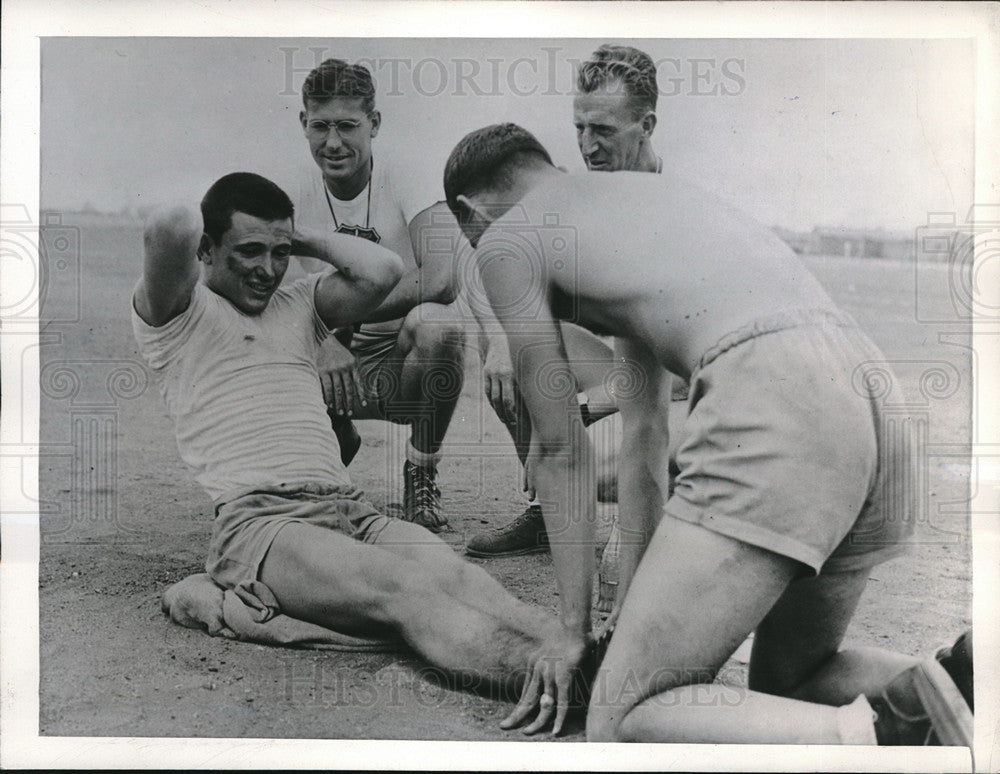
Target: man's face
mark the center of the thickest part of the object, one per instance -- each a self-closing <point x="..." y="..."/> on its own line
<point x="340" y="135"/>
<point x="248" y="263"/>
<point x="610" y="139"/>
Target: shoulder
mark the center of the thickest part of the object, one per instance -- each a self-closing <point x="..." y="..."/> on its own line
<point x="299" y="292"/>
<point x="159" y="343"/>
<point x="412" y="183"/>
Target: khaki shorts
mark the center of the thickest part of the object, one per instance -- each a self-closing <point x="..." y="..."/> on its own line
<point x="378" y="374"/>
<point x="245" y="527"/>
<point x="786" y="445"/>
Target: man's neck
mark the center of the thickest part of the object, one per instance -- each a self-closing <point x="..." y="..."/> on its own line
<point x="649" y="161"/>
<point x="346" y="189"/>
<point x="528" y="179"/>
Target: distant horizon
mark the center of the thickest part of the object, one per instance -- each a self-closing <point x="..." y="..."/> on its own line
<point x="137" y="213"/>
<point x="868" y="133"/>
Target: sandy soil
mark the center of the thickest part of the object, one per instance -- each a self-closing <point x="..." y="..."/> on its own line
<point x="123" y="519"/>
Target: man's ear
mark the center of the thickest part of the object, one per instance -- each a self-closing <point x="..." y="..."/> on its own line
<point x="205" y="249"/>
<point x="649" y="123"/>
<point x="302" y="119"/>
<point x="376" y="119"/>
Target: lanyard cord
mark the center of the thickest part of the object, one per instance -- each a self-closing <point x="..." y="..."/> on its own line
<point x="368" y="209"/>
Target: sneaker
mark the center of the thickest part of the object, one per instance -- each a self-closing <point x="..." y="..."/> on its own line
<point x="347" y="434"/>
<point x="957" y="662"/>
<point x="930" y="703"/>
<point x="422" y="498"/>
<point x="524" y="535"/>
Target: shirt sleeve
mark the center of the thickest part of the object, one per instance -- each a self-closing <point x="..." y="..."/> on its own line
<point x="160" y="345"/>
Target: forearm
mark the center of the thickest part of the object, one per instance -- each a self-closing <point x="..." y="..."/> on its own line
<point x="641" y="496"/>
<point x="358" y="261"/>
<point x="565" y="486"/>
<point x="170" y="265"/>
<point x="171" y="243"/>
<point x="413" y="289"/>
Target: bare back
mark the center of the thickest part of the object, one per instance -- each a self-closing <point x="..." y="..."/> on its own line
<point x="657" y="260"/>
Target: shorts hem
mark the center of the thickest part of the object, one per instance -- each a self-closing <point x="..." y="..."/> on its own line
<point x="222" y="569"/>
<point x="746" y="532"/>
<point x="863" y="561"/>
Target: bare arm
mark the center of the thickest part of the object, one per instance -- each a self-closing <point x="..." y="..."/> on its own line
<point x="498" y="372"/>
<point x="560" y="469"/>
<point x="170" y="266"/>
<point x="643" y="398"/>
<point x="365" y="275"/>
<point x="433" y="279"/>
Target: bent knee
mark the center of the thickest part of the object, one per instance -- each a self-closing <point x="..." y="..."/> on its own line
<point x="604" y="722"/>
<point x="435" y="328"/>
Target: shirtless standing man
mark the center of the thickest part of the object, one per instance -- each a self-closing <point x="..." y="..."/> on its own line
<point x="787" y="491"/>
<point x="614" y="112"/>
<point x="404" y="362"/>
<point x="234" y="357"/>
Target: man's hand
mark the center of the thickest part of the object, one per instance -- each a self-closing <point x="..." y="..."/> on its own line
<point x="343" y="389"/>
<point x="548" y="686"/>
<point x="498" y="382"/>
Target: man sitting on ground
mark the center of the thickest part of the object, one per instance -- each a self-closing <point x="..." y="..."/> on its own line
<point x="234" y="356"/>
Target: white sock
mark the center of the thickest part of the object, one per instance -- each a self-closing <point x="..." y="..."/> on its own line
<point x="422" y="459"/>
<point x="856" y="722"/>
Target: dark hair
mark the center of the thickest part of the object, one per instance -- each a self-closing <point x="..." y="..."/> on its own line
<point x="632" y="68"/>
<point x="242" y="192"/>
<point x="483" y="157"/>
<point x="336" y="78"/>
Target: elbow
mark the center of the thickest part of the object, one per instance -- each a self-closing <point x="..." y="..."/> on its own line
<point x="390" y="271"/>
<point x="172" y="225"/>
<point x="380" y="278"/>
<point x="441" y="293"/>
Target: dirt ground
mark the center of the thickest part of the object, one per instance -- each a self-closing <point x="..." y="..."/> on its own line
<point x="123" y="519"/>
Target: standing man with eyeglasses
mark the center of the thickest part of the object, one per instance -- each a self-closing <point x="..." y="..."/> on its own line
<point x="404" y="363"/>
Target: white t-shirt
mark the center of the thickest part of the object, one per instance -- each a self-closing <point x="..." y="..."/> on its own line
<point x="397" y="197"/>
<point x="243" y="391"/>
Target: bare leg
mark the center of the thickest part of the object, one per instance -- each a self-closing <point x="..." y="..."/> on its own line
<point x="332" y="580"/>
<point x="470" y="583"/>
<point x="593" y="365"/>
<point x="796" y="647"/>
<point x="694" y="599"/>
<point x="428" y="364"/>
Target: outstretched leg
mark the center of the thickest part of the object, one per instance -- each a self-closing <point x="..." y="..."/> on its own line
<point x="332" y="580"/>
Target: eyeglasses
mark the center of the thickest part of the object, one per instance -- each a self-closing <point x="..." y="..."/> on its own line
<point x="344" y="128"/>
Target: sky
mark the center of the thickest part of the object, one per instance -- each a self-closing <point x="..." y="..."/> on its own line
<point x="862" y="133"/>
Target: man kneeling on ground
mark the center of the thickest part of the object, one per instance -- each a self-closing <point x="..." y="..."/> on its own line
<point x="790" y="488"/>
<point x="234" y="356"/>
